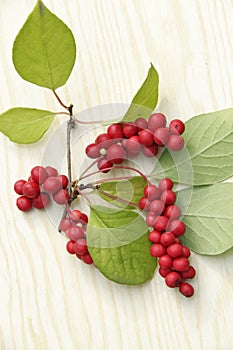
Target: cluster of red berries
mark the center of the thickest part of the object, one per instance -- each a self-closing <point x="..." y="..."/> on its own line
<point x="124" y="140"/>
<point x="74" y="226"/>
<point x="41" y="184"/>
<point x="163" y="216"/>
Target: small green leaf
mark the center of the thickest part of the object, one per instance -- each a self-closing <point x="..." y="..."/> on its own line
<point x="117" y="241"/>
<point x="44" y="50"/>
<point x="209" y="142"/>
<point x="209" y="218"/>
<point x="145" y="99"/>
<point x="25" y="125"/>
<point x="129" y="190"/>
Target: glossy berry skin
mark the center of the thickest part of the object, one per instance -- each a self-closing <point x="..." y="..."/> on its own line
<point x="41" y="201"/>
<point x="154" y="236"/>
<point x="146" y="137"/>
<point x="51" y="171"/>
<point x="186" y="289"/>
<point x="104" y="165"/>
<point x="93" y="150"/>
<point x="150" y="151"/>
<point x="141" y="123"/>
<point x="176" y="127"/>
<point x="156" y="121"/>
<point x="186" y="251"/>
<point x="175" y="143"/>
<point x="61" y="197"/>
<point x="116" y="154"/>
<point x="161" y="136"/>
<point x="133" y="144"/>
<point x="63" y="181"/>
<point x="104" y="140"/>
<point x="151" y="219"/>
<point x="175" y="250"/>
<point x="80" y="247"/>
<point x="144" y="203"/>
<point x="173" y="279"/>
<point x="39" y="174"/>
<point x="168" y="197"/>
<point x="161" y="223"/>
<point x="84" y="218"/>
<point x="70" y="247"/>
<point x="75" y="215"/>
<point x="156" y="207"/>
<point x="151" y="192"/>
<point x="24" y="203"/>
<point x="165" y="261"/>
<point x="172" y="212"/>
<point x="31" y="189"/>
<point x="177" y="227"/>
<point x="167" y="238"/>
<point x="64" y="224"/>
<point x="189" y="274"/>
<point x="180" y="264"/>
<point x="87" y="259"/>
<point x="129" y="129"/>
<point x="165" y="184"/>
<point x="115" y="131"/>
<point x="18" y="186"/>
<point x="157" y="250"/>
<point x="52" y="184"/>
<point x="164" y="272"/>
<point x="74" y="233"/>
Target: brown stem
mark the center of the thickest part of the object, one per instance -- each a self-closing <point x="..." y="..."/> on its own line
<point x="59" y="100"/>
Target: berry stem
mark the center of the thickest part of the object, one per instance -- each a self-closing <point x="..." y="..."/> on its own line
<point x="90" y="122"/>
<point x="59" y="100"/>
<point x="121" y="200"/>
<point x="84" y="195"/>
<point x="113" y="179"/>
<point x="88" y="168"/>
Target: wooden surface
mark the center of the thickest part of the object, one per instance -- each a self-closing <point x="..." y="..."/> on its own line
<point x="48" y="299"/>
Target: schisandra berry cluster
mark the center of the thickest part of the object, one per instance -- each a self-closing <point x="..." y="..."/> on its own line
<point x="163" y="216"/>
<point x="42" y="183"/>
<point x="124" y="140"/>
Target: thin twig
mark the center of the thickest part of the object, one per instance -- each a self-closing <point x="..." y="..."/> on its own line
<point x="59" y="100"/>
<point x="121" y="200"/>
<point x="89" y="167"/>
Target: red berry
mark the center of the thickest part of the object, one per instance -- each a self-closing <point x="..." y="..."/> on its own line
<point x="150" y="151"/>
<point x="151" y="192"/>
<point x="116" y="154"/>
<point x="177" y="227"/>
<point x="39" y="174"/>
<point x="146" y="137"/>
<point x="176" y="127"/>
<point x="63" y="181"/>
<point x="168" y="197"/>
<point x="18" y="186"/>
<point x="65" y="224"/>
<point x="104" y="140"/>
<point x="156" y="207"/>
<point x="31" y="189"/>
<point x="80" y="247"/>
<point x="161" y="136"/>
<point x="70" y="247"/>
<point x="74" y="233"/>
<point x="186" y="251"/>
<point x="151" y="218"/>
<point x="186" y="289"/>
<point x="84" y="218"/>
<point x="190" y="273"/>
<point x="164" y="272"/>
<point x="154" y="236"/>
<point x="129" y="129"/>
<point x="167" y="238"/>
<point x="52" y="184"/>
<point x="161" y="223"/>
<point x="141" y="123"/>
<point x="104" y="165"/>
<point x="165" y="261"/>
<point x="93" y="150"/>
<point x="133" y="145"/>
<point x="87" y="259"/>
<point x="156" y="121"/>
<point x="144" y="203"/>
<point x="172" y="212"/>
<point x="75" y="215"/>
<point x="180" y="264"/>
<point x="175" y="250"/>
<point x="157" y="250"/>
<point x="61" y="197"/>
<point x="41" y="201"/>
<point x="24" y="203"/>
<point x="175" y="143"/>
<point x="173" y="279"/>
<point x="165" y="184"/>
<point x="51" y="171"/>
<point x="115" y="131"/>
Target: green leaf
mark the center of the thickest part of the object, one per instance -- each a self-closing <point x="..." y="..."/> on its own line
<point x="117" y="241"/>
<point x="129" y="190"/>
<point x="208" y="158"/>
<point x="25" y="125"/>
<point x="145" y="100"/>
<point x="44" y="50"/>
<point x="209" y="219"/>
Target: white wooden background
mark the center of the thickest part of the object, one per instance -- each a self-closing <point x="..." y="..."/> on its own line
<point x="48" y="299"/>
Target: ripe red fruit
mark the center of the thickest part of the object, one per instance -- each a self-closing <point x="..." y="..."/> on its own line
<point x="176" y="127"/>
<point x="175" y="143"/>
<point x="65" y="224"/>
<point x="165" y="261"/>
<point x="186" y="251"/>
<point x="18" y="186"/>
<point x="84" y="218"/>
<point x="87" y="259"/>
<point x="164" y="272"/>
<point x="175" y="250"/>
<point x="186" y="289"/>
<point x="63" y="181"/>
<point x="156" y="207"/>
<point x="173" y="279"/>
<point x="52" y="184"/>
<point x="104" y="140"/>
<point x="168" y="197"/>
<point x="177" y="227"/>
<point x="133" y="145"/>
<point x="41" y="201"/>
<point x="104" y="165"/>
<point x="31" y="189"/>
<point x="116" y="154"/>
<point x="75" y="215"/>
<point x="39" y="174"/>
<point x="74" y="233"/>
<point x="51" y="171"/>
<point x="161" y="136"/>
<point x="156" y="121"/>
<point x="61" y="197"/>
<point x="190" y="273"/>
<point x="146" y="137"/>
<point x="141" y="123"/>
<point x="70" y="247"/>
<point x="150" y="151"/>
<point x="129" y="129"/>
<point x="167" y="238"/>
<point x="93" y="151"/>
<point x="24" y="203"/>
<point x="180" y="264"/>
<point x="80" y="247"/>
<point x="144" y="203"/>
<point x="115" y="131"/>
<point x="161" y="223"/>
<point x="172" y="212"/>
<point x="154" y="236"/>
<point x="157" y="250"/>
<point x="151" y="192"/>
<point x="165" y="184"/>
<point x="151" y="218"/>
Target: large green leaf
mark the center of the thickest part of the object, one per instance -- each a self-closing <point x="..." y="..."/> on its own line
<point x="25" y="125"/>
<point x="118" y="244"/>
<point x="209" y="142"/>
<point x="44" y="50"/>
<point x="209" y="218"/>
<point x="145" y="99"/>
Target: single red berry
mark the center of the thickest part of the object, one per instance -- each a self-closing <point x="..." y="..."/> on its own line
<point x="151" y="218"/>
<point x="63" y="180"/>
<point x="150" y="151"/>
<point x="104" y="140"/>
<point x="70" y="247"/>
<point x="156" y="121"/>
<point x="186" y="251"/>
<point x="116" y="154"/>
<point x="175" y="143"/>
<point x="164" y="272"/>
<point x="31" y="189"/>
<point x="161" y="136"/>
<point x="51" y="171"/>
<point x="177" y="227"/>
<point x="115" y="131"/>
<point x="141" y="123"/>
<point x="52" y="184"/>
<point x="157" y="250"/>
<point x="74" y="233"/>
<point x="190" y="273"/>
<point x="84" y="218"/>
<point x="176" y="127"/>
<point x="39" y="174"/>
<point x="61" y="197"/>
<point x="157" y="207"/>
<point x="75" y="215"/>
<point x="175" y="250"/>
<point x="18" y="186"/>
<point x="133" y="145"/>
<point x="154" y="236"/>
<point x="161" y="223"/>
<point x="144" y="203"/>
<point x="173" y="279"/>
<point x="167" y="238"/>
<point x="65" y="224"/>
<point x="165" y="184"/>
<point x="24" y="203"/>
<point x="129" y="129"/>
<point x="41" y="201"/>
<point x="87" y="259"/>
<point x="165" y="261"/>
<point x="104" y="165"/>
<point x="168" y="197"/>
<point x="180" y="264"/>
<point x="186" y="289"/>
<point x="146" y="137"/>
<point x="93" y="150"/>
<point x="80" y="247"/>
<point x="151" y="192"/>
<point x="172" y="212"/>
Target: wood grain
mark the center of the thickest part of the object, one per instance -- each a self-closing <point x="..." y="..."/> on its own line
<point x="48" y="300"/>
